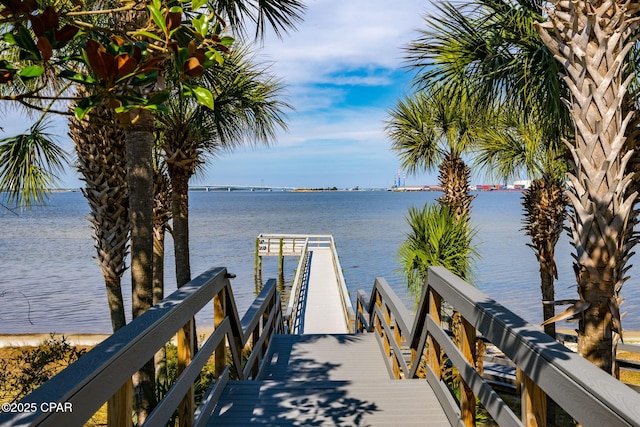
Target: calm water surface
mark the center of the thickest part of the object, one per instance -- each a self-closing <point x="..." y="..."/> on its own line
<point x="49" y="281"/>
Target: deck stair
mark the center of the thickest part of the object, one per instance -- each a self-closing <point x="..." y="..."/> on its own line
<point x="323" y="379"/>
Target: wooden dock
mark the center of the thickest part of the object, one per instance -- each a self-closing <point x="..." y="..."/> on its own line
<point x="337" y="380"/>
<point x="319" y="302"/>
<point x="299" y="369"/>
<point x="323" y="312"/>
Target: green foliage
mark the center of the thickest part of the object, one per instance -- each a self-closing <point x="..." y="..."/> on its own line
<point x="28" y="164"/>
<point x="426" y="126"/>
<point x="491" y="50"/>
<point x="119" y="64"/>
<point x="437" y="238"/>
<point x="33" y="366"/>
<point x="514" y="145"/>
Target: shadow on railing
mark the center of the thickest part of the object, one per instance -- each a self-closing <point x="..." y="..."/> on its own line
<point x="88" y="383"/>
<point x="418" y="346"/>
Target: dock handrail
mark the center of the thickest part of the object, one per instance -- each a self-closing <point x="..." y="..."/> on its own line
<point x="94" y="378"/>
<point x="347" y="307"/>
<point x="588" y="394"/>
<point x="311" y="241"/>
<point x="302" y="272"/>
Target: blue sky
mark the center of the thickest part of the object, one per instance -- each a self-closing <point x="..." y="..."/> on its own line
<point x="343" y="71"/>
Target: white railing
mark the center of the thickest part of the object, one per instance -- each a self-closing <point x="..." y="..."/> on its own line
<point x="302" y="248"/>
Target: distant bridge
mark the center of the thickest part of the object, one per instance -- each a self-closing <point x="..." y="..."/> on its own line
<point x="239" y="188"/>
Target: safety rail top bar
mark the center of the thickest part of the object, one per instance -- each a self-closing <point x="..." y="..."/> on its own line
<point x="585" y="392"/>
<point x="95" y="377"/>
<point x="292" y="244"/>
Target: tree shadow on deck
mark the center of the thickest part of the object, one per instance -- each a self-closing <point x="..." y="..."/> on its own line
<point x="302" y="386"/>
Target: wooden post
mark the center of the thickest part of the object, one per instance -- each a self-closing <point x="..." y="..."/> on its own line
<point x="433" y="347"/>
<point x="120" y="407"/>
<point x="257" y="267"/>
<point x="185" y="353"/>
<point x="533" y="402"/>
<point x="281" y="266"/>
<point x="468" y="348"/>
<point x="219" y="314"/>
<point x="482" y="350"/>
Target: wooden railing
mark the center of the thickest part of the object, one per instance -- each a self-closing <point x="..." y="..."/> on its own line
<point x="89" y="382"/>
<point x="546" y="367"/>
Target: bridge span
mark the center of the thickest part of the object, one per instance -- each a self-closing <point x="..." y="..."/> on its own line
<point x="227" y="187"/>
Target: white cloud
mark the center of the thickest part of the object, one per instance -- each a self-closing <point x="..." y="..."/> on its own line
<point x="347" y="33"/>
<point x="344" y="53"/>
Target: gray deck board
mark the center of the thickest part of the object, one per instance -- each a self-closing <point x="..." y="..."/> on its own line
<point x="328" y="380"/>
<point x="323" y="312"/>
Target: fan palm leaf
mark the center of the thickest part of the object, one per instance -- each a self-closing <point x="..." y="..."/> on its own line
<point x="29" y="164"/>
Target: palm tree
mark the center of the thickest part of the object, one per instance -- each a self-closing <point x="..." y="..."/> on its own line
<point x="516" y="146"/>
<point x="101" y="160"/>
<point x="161" y="218"/>
<point x="490" y="48"/>
<point x="437" y="237"/>
<point x="431" y="130"/>
<point x="248" y="109"/>
<point x="592" y="40"/>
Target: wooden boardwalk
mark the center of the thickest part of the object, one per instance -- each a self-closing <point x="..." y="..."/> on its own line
<point x="332" y="380"/>
<point x="323" y="312"/>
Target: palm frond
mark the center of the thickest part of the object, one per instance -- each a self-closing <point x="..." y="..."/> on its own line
<point x="277" y="15"/>
<point x="29" y="164"/>
<point x="436" y="237"/>
<point x="490" y="49"/>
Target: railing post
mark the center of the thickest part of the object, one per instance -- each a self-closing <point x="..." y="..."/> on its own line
<point x="219" y="313"/>
<point x="533" y="402"/>
<point x="185" y="353"/>
<point x="120" y="407"/>
<point x="468" y="348"/>
<point x="257" y="267"/>
<point x="281" y="265"/>
<point x="396" y="337"/>
<point x="360" y="312"/>
<point x="434" y="351"/>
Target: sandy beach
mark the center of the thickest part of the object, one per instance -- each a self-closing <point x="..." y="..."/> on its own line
<point x="32" y="340"/>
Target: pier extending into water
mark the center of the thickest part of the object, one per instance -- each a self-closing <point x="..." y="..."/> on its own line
<point x="319" y="302"/>
<point x="390" y="368"/>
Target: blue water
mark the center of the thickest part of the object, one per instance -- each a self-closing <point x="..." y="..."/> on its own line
<point x="49" y="281"/>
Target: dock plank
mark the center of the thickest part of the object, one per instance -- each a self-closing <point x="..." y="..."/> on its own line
<point x="337" y="380"/>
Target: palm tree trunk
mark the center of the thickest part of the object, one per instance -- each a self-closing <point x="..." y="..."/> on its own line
<point x="180" y="176"/>
<point x="180" y="221"/>
<point x="591" y="40"/>
<point x="161" y="217"/>
<point x="139" y="143"/>
<point x="454" y="178"/>
<point x="545" y="204"/>
<point x="101" y="161"/>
